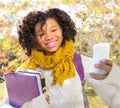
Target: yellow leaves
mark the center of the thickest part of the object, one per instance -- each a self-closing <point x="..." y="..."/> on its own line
<point x="115" y="45"/>
<point x="91" y="7"/>
<point x="116" y="10"/>
<point x="1" y="5"/>
<point x="115" y="51"/>
<point x="115" y="21"/>
<point x="97" y="38"/>
<point x="83" y="15"/>
<point x="117" y="1"/>
<point x="77" y="14"/>
<point x="1" y="24"/>
<point x="6" y="44"/>
<point x="109" y="33"/>
<point x="93" y="28"/>
<point x="101" y="24"/>
<point x="1" y="21"/>
<point x="69" y="1"/>
<point x="96" y="7"/>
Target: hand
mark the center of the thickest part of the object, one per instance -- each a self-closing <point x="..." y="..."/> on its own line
<point x="103" y="65"/>
<point x="47" y="97"/>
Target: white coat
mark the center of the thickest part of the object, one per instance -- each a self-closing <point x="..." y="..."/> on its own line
<point x="70" y="94"/>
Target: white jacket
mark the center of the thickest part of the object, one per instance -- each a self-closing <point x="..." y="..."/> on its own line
<point x="70" y="94"/>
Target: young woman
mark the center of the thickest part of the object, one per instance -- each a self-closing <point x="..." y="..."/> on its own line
<point x="48" y="39"/>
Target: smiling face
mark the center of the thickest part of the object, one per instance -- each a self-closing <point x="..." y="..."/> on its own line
<point x="50" y="38"/>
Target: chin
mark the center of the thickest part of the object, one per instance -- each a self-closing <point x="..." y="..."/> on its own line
<point x="50" y="52"/>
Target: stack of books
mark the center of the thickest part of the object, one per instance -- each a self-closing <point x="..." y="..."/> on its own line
<point x="24" y="86"/>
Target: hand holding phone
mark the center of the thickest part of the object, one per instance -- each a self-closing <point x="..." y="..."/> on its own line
<point x="100" y="51"/>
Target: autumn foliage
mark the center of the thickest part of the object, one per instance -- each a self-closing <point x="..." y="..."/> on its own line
<point x="96" y="21"/>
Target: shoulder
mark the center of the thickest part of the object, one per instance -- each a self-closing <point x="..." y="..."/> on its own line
<point x="83" y="57"/>
<point x="86" y="59"/>
<point x="28" y="64"/>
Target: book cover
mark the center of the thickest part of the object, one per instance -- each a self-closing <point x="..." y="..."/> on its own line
<point x="24" y="86"/>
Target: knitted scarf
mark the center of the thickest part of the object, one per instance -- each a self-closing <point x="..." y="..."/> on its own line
<point x="60" y="62"/>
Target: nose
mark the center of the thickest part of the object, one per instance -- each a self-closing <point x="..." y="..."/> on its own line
<point x="48" y="36"/>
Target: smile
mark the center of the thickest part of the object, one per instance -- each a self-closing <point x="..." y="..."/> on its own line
<point x="51" y="44"/>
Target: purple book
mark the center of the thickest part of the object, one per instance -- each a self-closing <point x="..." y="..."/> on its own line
<point x="23" y="87"/>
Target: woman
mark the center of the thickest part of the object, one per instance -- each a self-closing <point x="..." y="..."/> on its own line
<point x="48" y="41"/>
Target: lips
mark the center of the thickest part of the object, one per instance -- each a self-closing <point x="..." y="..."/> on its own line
<point x="51" y="44"/>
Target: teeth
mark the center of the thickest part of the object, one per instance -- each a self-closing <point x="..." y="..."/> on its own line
<point x="51" y="44"/>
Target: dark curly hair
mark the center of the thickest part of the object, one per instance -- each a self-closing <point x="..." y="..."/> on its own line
<point x="26" y="28"/>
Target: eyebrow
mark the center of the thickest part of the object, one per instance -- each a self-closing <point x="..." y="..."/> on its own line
<point x="52" y="26"/>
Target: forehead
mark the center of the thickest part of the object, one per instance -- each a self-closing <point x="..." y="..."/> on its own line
<point x="50" y="23"/>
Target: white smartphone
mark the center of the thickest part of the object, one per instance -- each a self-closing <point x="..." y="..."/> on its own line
<point x="100" y="51"/>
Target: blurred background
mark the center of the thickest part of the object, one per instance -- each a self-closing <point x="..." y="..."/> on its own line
<point x="96" y="21"/>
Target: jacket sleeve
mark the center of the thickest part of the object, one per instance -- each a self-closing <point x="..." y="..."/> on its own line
<point x="39" y="101"/>
<point x="109" y="88"/>
<point x="5" y="102"/>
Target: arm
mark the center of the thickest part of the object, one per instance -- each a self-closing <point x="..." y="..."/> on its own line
<point x="5" y="102"/>
<point x="59" y="98"/>
<point x="109" y="88"/>
<point x="39" y="101"/>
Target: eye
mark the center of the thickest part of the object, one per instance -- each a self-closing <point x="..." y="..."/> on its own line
<point x="54" y="30"/>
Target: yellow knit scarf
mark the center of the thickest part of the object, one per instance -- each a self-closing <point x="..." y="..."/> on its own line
<point x="60" y="62"/>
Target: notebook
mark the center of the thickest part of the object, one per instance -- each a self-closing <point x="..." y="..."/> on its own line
<point x="24" y="86"/>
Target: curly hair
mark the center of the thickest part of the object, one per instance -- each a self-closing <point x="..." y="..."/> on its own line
<point x="65" y="22"/>
<point x="26" y="31"/>
<point x="26" y="28"/>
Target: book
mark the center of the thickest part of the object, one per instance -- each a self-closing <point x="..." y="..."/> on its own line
<point x="24" y="86"/>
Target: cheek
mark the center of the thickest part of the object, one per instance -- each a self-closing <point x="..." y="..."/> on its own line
<point x="61" y="36"/>
<point x="41" y="41"/>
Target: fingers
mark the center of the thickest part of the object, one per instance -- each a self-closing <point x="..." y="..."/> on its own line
<point x="104" y="65"/>
<point x="47" y="97"/>
<point x="97" y="76"/>
<point x="107" y="62"/>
